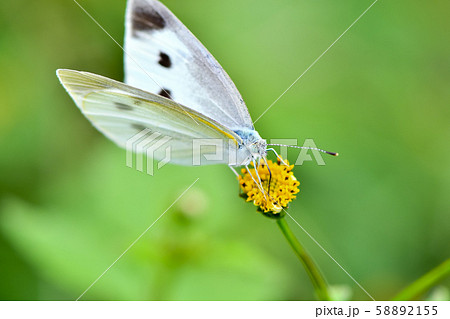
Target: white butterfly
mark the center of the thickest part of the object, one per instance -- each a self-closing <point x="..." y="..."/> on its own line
<point x="174" y="87"/>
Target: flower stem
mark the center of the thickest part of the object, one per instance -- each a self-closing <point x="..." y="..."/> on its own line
<point x="311" y="268"/>
<point x="424" y="283"/>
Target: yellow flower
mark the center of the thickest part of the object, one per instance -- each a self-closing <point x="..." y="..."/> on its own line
<point x="283" y="187"/>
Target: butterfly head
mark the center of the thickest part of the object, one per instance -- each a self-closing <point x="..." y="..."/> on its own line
<point x="258" y="148"/>
<point x="252" y="147"/>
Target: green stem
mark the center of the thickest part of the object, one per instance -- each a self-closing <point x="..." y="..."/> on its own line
<point x="314" y="274"/>
<point x="424" y="283"/>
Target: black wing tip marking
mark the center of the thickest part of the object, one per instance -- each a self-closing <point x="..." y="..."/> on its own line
<point x="145" y="18"/>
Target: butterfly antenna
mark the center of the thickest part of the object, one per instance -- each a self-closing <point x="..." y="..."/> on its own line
<point x="307" y="148"/>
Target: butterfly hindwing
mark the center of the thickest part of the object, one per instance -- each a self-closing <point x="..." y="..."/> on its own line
<point x="123" y="113"/>
<point x="163" y="57"/>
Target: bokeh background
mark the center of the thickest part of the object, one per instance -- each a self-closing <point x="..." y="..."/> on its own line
<point x="69" y="206"/>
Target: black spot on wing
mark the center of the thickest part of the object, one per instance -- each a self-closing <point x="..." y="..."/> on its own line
<point x="138" y="126"/>
<point x="145" y="18"/>
<point x="165" y="93"/>
<point x="123" y="107"/>
<point x="164" y="60"/>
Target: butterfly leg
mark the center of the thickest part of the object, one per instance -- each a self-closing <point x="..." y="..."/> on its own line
<point x="278" y="156"/>
<point x="259" y="179"/>
<point x="270" y="174"/>
<point x="254" y="180"/>
<point x="234" y="171"/>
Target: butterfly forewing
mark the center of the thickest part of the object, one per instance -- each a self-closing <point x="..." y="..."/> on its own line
<point x="164" y="57"/>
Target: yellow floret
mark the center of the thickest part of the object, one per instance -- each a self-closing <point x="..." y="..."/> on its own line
<point x="283" y="186"/>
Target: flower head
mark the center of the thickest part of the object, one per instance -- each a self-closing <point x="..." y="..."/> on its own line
<point x="279" y="189"/>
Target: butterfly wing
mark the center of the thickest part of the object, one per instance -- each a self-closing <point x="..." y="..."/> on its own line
<point x="163" y="57"/>
<point x="134" y="118"/>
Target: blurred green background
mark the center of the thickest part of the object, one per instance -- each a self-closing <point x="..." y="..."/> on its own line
<point x="69" y="206"/>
